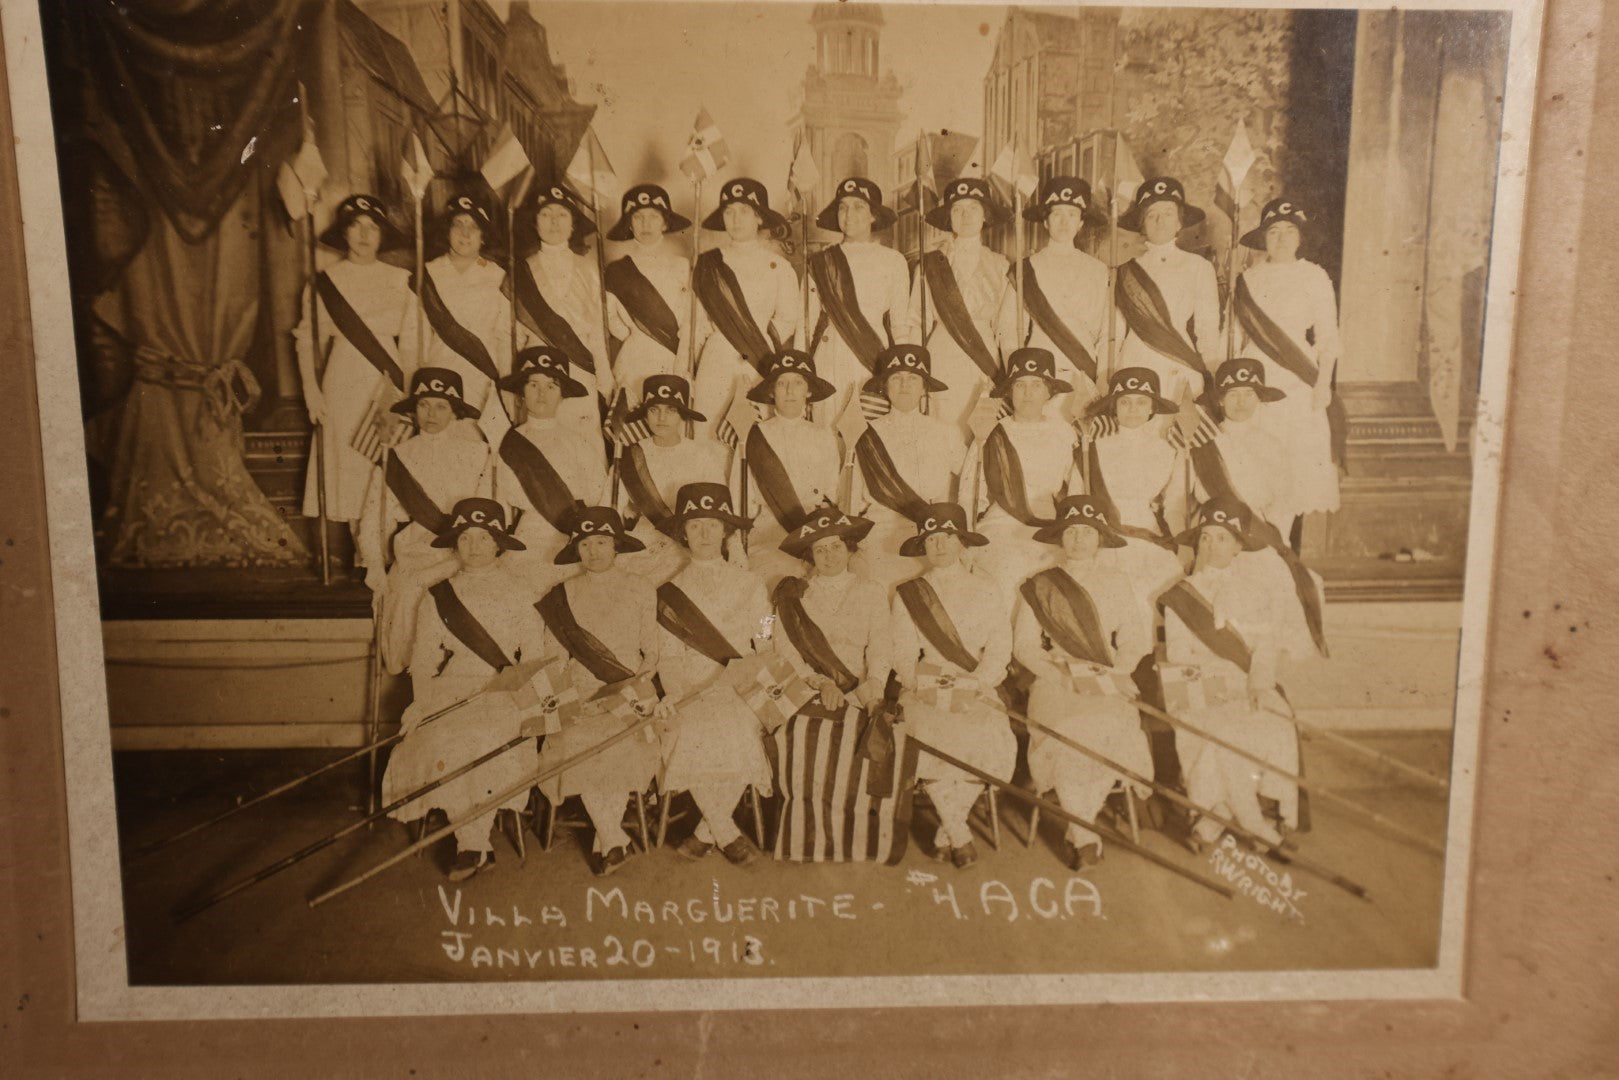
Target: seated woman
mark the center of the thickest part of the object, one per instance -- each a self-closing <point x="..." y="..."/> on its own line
<point x="1221" y="650"/>
<point x="711" y="613"/>
<point x="1080" y="632"/>
<point x="952" y="642"/>
<point x="469" y="627"/>
<point x="788" y="466"/>
<point x="1026" y="463"/>
<point x="833" y="626"/>
<point x="905" y="460"/>
<point x="408" y="505"/>
<point x="652" y="471"/>
<point x="605" y="621"/>
<point x="545" y="469"/>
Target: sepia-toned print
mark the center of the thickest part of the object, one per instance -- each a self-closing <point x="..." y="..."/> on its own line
<point x="653" y="505"/>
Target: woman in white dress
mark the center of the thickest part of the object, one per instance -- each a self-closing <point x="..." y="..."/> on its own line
<point x="648" y="290"/>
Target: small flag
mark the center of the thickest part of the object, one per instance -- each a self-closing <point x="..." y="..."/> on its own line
<point x="802" y="176"/>
<point x="506" y="160"/>
<point x="298" y="181"/>
<point x="1126" y="175"/>
<point x="1016" y="170"/>
<point x="924" y="165"/>
<point x="619" y="428"/>
<point x="559" y="699"/>
<point x="379" y="428"/>
<point x="1192" y="426"/>
<point x="1239" y="158"/>
<point x="590" y="173"/>
<point x="415" y="169"/>
<point x="946" y="690"/>
<point x="630" y="701"/>
<point x="1188" y="690"/>
<point x="1097" y="680"/>
<point x="852" y="422"/>
<point x="706" y="152"/>
<point x="739" y="419"/>
<point x="770" y="687"/>
<point x="984" y="413"/>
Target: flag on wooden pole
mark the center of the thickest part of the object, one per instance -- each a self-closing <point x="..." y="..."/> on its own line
<point x="506" y="161"/>
<point x="298" y="181"/>
<point x="590" y="173"/>
<point x="415" y="169"/>
<point x="1014" y="168"/>
<point x="739" y="419"/>
<point x="706" y="151"/>
<point x="1126" y="174"/>
<point x="802" y="175"/>
<point x="1239" y="158"/>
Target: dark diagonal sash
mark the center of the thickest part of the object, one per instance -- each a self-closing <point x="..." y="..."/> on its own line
<point x="1098" y="491"/>
<point x="1147" y="315"/>
<point x="679" y="615"/>
<point x="466" y="627"/>
<point x="882" y="476"/>
<point x="835" y="282"/>
<point x="928" y="613"/>
<point x="1272" y="340"/>
<point x="952" y="309"/>
<point x="464" y="342"/>
<point x="648" y="309"/>
<point x="355" y="331"/>
<point x="1198" y="614"/>
<point x="636" y="477"/>
<point x="722" y="298"/>
<point x="1003" y="476"/>
<point x="1050" y="324"/>
<point x="808" y="638"/>
<point x="539" y="480"/>
<point x="540" y="317"/>
<point x="412" y="497"/>
<point x="580" y="643"/>
<point x="775" y="486"/>
<point x="1067" y="614"/>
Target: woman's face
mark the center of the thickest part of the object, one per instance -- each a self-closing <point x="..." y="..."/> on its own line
<point x="1161" y="222"/>
<point x="741" y="222"/>
<point x="854" y="218"/>
<point x="1239" y="403"/>
<point x="1282" y="242"/>
<point x="476" y="548"/>
<point x="942" y="549"/>
<point x="1063" y="222"/>
<point x="1132" y="410"/>
<point x="542" y="394"/>
<point x="433" y="415"/>
<point x="364" y="237"/>
<point x="967" y="217"/>
<point x="466" y="236"/>
<point x="705" y="537"/>
<point x="830" y="556"/>
<point x="596" y="553"/>
<point x="554" y="223"/>
<point x="1080" y="542"/>
<point x="1029" y="397"/>
<point x="648" y="226"/>
<point x="1216" y="546"/>
<point x="791" y="395"/>
<point x="664" y="421"/>
<point x="905" y="390"/>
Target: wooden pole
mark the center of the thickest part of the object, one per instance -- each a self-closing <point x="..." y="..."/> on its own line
<point x="922" y="240"/>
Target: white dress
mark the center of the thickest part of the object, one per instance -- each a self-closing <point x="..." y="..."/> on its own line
<point x="640" y="355"/>
<point x="809" y="454"/>
<point x="927" y="452"/>
<point x="572" y="288"/>
<point x="671" y="468"/>
<point x="1140" y="470"/>
<point x="1045" y="448"/>
<point x="473" y="297"/>
<point x="1076" y="285"/>
<point x="882" y="287"/>
<point x="981" y="278"/>
<point x="1190" y="292"/>
<point x="583" y="472"/>
<point x="771" y="289"/>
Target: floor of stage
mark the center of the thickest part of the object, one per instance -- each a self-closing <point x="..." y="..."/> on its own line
<point x="1018" y="909"/>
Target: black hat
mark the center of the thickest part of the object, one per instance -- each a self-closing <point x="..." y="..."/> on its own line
<point x="1245" y="372"/>
<point x="1133" y="380"/>
<point x="704" y="500"/>
<point x="486" y="514"/>
<point x="526" y="233"/>
<point x="1155" y="190"/>
<point x="1030" y="361"/>
<point x="436" y="382"/>
<point x="943" y="517"/>
<point x="1229" y="513"/>
<point x="898" y="358"/>
<point x="748" y="192"/>
<point x="646" y="197"/>
<point x="967" y="187"/>
<point x="353" y="208"/>
<point x="666" y="390"/>
<point x="857" y="187"/>
<point x="1080" y="510"/>
<point x="1062" y="191"/>
<point x="591" y="521"/>
<point x="790" y="362"/>
<point x="473" y="205"/>
<point x="1275" y="211"/>
<point x="824" y="521"/>
<point x="542" y="360"/>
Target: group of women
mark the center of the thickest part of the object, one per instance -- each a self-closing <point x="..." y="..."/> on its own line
<point x="942" y="504"/>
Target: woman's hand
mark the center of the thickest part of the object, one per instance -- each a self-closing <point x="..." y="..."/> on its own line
<point x="375" y="578"/>
<point x="315" y="402"/>
<point x="868" y="695"/>
<point x="831" y="696"/>
<point x="664" y="710"/>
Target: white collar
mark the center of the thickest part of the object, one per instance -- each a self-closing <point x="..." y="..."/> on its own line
<point x="1163" y="251"/>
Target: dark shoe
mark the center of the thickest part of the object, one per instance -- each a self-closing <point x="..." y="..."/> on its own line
<point x="739" y="851"/>
<point x="1078" y="858"/>
<point x="467" y="863"/>
<point x="693" y="848"/>
<point x="1195" y="843"/>
<point x="610" y="861"/>
<point x="964" y="856"/>
<point x="943" y="853"/>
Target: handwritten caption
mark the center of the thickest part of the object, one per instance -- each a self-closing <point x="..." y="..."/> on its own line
<point x="1256" y="879"/>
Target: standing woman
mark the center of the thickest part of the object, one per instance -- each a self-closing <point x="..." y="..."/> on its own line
<point x="961" y="286"/>
<point x="1065" y="298"/>
<point x="1288" y="314"/>
<point x="748" y="292"/>
<point x="649" y="291"/>
<point x="1027" y="461"/>
<point x="468" y="317"/>
<point x="559" y="302"/>
<point x="365" y="306"/>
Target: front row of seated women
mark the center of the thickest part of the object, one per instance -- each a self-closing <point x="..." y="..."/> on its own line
<point x="664" y="661"/>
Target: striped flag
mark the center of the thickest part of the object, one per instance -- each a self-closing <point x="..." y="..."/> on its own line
<point x="803" y="175"/>
<point x="591" y="174"/>
<point x="739" y="419"/>
<point x="1192" y="426"/>
<point x="828" y="813"/>
<point x="379" y="428"/>
<point x="706" y="152"/>
<point x="506" y="161"/>
<point x="1239" y="158"/>
<point x="619" y="428"/>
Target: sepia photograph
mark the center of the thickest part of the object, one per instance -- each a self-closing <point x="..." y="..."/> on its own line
<point x="643" y="504"/>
